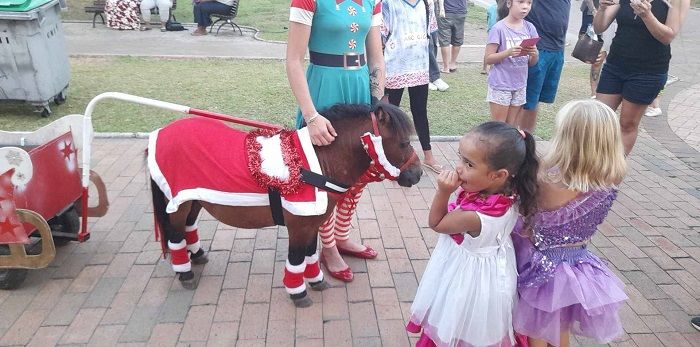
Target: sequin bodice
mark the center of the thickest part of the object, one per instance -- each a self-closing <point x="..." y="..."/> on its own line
<point x="573" y="223"/>
<point x="560" y="236"/>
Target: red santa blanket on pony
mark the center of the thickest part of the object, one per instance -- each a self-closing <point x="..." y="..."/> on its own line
<point x="228" y="166"/>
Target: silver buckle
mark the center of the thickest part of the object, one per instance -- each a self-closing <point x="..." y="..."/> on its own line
<point x="354" y="63"/>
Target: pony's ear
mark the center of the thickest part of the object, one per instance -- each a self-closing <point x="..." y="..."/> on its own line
<point x="381" y="113"/>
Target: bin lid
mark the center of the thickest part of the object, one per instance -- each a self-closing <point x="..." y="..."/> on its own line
<point x="20" y="5"/>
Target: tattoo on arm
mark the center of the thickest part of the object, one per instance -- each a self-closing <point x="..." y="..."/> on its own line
<point x="376" y="82"/>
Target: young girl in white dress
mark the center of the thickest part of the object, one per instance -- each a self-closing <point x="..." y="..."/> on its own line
<point x="468" y="289"/>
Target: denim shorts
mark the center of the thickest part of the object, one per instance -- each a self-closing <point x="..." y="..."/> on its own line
<point x="543" y="78"/>
<point x="635" y="87"/>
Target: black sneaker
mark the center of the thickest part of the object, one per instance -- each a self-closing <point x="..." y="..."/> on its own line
<point x="695" y="322"/>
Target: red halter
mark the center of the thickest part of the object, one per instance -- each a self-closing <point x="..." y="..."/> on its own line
<point x="379" y="166"/>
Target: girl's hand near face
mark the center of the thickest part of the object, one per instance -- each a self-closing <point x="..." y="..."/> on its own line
<point x="448" y="181"/>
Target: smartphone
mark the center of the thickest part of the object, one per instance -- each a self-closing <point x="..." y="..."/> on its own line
<point x="528" y="43"/>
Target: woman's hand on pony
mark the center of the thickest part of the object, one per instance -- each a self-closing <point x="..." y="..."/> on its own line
<point x="321" y="131"/>
<point x="448" y="181"/>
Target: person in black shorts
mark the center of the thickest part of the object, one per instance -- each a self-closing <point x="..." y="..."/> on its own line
<point x="637" y="66"/>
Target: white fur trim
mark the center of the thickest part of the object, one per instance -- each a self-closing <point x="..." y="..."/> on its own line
<point x="316" y="279"/>
<point x="175" y="246"/>
<point x="189" y="228"/>
<point x="183" y="267"/>
<point x="301" y="15"/>
<point x="312" y="259"/>
<point x="271" y="158"/>
<point x="297" y="269"/>
<point x="195" y="247"/>
<point x="379" y="148"/>
<point x="297" y="290"/>
<point x="311" y="208"/>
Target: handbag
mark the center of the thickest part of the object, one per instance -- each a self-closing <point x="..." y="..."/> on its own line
<point x="587" y="49"/>
<point x="172" y="25"/>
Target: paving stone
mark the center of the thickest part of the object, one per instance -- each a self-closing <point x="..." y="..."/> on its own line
<point x="363" y="320"/>
<point x="253" y="323"/>
<point x="176" y="306"/>
<point x="24" y="328"/>
<point x="393" y="333"/>
<point x="47" y="336"/>
<point x="140" y="324"/>
<point x="165" y="334"/>
<point x="82" y="327"/>
<point x="106" y="335"/>
<point x="198" y="323"/>
<point x="337" y="333"/>
<point x="230" y="305"/>
<point x="103" y="292"/>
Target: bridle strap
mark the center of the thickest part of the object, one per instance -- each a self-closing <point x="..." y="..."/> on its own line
<point x="375" y="125"/>
<point x="410" y="161"/>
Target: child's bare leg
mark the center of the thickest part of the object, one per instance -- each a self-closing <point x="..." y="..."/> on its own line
<point x="564" y="339"/>
<point x="536" y="342"/>
<point x="513" y="114"/>
<point x="498" y="112"/>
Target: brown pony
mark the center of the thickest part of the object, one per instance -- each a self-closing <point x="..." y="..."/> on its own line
<point x="345" y="161"/>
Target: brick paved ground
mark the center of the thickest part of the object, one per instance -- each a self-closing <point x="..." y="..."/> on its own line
<point x="115" y="290"/>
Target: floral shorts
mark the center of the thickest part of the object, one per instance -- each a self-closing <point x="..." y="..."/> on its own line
<point x="506" y="97"/>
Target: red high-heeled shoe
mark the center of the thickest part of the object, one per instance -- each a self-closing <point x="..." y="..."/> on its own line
<point x="345" y="275"/>
<point x="368" y="253"/>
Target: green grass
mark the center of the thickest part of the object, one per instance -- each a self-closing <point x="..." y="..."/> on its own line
<point x="251" y="89"/>
<point x="271" y="17"/>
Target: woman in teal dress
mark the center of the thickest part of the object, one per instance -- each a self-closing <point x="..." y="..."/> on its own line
<point x="346" y="66"/>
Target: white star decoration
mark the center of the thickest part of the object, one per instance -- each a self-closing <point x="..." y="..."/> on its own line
<point x="13" y="158"/>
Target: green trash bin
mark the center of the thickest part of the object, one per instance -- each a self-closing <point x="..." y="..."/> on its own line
<point x="34" y="63"/>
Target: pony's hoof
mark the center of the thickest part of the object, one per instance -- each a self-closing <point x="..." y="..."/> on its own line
<point x="187" y="280"/>
<point x="199" y="258"/>
<point x="320" y="286"/>
<point x="303" y="302"/>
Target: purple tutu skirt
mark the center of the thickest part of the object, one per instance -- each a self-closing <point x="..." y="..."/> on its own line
<point x="580" y="295"/>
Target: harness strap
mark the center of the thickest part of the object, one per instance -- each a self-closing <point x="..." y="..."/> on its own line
<point x="323" y="182"/>
<point x="276" y="206"/>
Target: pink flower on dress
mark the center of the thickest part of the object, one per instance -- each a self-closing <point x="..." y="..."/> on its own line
<point x="352" y="11"/>
<point x="352" y="44"/>
<point x="354" y="27"/>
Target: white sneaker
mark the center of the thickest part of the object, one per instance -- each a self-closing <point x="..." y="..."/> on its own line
<point x="431" y="86"/>
<point x="441" y="85"/>
<point x="653" y="112"/>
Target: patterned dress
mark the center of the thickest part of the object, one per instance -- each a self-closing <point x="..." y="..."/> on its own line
<point x="123" y="14"/>
<point x="337" y="27"/>
<point x="405" y="32"/>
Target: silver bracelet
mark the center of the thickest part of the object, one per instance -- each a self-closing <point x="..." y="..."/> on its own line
<point x="312" y="118"/>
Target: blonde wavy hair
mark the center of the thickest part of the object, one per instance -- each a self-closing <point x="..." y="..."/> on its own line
<point x="586" y="149"/>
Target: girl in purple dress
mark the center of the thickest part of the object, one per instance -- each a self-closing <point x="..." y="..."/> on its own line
<point x="564" y="288"/>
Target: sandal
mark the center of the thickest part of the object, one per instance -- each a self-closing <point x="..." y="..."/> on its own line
<point x="144" y="28"/>
<point x="436" y="168"/>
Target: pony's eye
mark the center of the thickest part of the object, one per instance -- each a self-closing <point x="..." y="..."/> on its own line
<point x="405" y="144"/>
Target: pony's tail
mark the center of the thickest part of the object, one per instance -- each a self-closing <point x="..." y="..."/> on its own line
<point x="160" y="217"/>
<point x="526" y="179"/>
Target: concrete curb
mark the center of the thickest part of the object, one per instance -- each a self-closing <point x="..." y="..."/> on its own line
<point x="142" y="135"/>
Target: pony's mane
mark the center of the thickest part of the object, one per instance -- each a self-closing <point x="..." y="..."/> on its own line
<point x="398" y="121"/>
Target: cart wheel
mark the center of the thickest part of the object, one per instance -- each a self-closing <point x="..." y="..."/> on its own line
<point x="45" y="112"/>
<point x="60" y="98"/>
<point x="68" y="222"/>
<point x="11" y="278"/>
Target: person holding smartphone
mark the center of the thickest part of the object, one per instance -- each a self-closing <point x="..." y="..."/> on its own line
<point x="636" y="68"/>
<point x="511" y="50"/>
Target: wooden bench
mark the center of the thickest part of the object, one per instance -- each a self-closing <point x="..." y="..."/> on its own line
<point x="98" y="8"/>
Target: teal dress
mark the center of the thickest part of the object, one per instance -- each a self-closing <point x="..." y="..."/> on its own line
<point x="337" y="27"/>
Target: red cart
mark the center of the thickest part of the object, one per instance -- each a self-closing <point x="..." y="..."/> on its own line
<point x="44" y="183"/>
